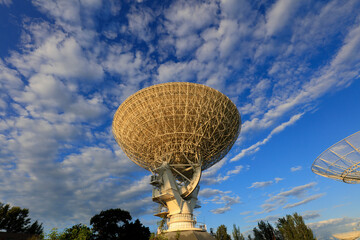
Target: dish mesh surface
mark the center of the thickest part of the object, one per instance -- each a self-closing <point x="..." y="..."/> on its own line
<point x="180" y="123"/>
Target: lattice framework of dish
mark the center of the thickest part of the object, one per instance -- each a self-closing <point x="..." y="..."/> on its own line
<point x="341" y="161"/>
<point x="181" y="123"/>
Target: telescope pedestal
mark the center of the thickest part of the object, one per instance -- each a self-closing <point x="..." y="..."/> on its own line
<point x="180" y="208"/>
<point x="181" y="221"/>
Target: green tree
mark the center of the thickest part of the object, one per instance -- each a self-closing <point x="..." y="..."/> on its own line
<point x="293" y="227"/>
<point x="135" y="230"/>
<point x="221" y="233"/>
<point x="16" y="220"/>
<point x="77" y="232"/>
<point x="161" y="224"/>
<point x="265" y="231"/>
<point x="53" y="235"/>
<point x="236" y="233"/>
<point x="115" y="224"/>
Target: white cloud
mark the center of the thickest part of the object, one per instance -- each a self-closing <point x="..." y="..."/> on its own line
<point x="221" y="210"/>
<point x="207" y="51"/>
<point x="184" y="20"/>
<point x="10" y="84"/>
<point x="306" y="200"/>
<point x="210" y="172"/>
<point x="186" y="45"/>
<point x="280" y="14"/>
<point x="275" y="201"/>
<point x="67" y="11"/>
<point x="335" y="222"/>
<point x="82" y="177"/>
<point x="187" y="17"/>
<point x="6" y="2"/>
<point x="298" y="191"/>
<point x="60" y="56"/>
<point x="294" y="169"/>
<point x="140" y="207"/>
<point x="131" y="67"/>
<point x="310" y="215"/>
<point x="274" y="218"/>
<point x="209" y="192"/>
<point x="217" y="196"/>
<point x="324" y="229"/>
<point x="264" y="184"/>
<point x="320" y="28"/>
<point x="180" y="71"/>
<point x="210" y="176"/>
<point x="76" y="65"/>
<point x="46" y="95"/>
<point x="258" y="99"/>
<point x="278" y="180"/>
<point x="334" y="74"/>
<point x="261" y="184"/>
<point x="136" y="189"/>
<point x="237" y="170"/>
<point x="215" y="180"/>
<point x="268" y="218"/>
<point x="139" y="20"/>
<point x="245" y="213"/>
<point x="227" y="29"/>
<point x="228" y="201"/>
<point x="287" y="95"/>
<point x="255" y="147"/>
<point x="71" y="12"/>
<point x="346" y="55"/>
<point x="269" y="207"/>
<point x="235" y="8"/>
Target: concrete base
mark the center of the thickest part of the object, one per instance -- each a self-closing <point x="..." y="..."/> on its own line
<point x="188" y="235"/>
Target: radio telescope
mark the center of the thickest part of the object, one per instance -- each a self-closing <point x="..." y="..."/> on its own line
<point x="340" y="161"/>
<point x="176" y="130"/>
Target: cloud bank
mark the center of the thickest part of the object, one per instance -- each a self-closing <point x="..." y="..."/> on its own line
<point x="77" y="61"/>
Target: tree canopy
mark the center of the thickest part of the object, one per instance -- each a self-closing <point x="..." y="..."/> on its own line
<point x="293" y="227"/>
<point x="115" y="224"/>
<point x="16" y="220"/>
<point x="76" y="232"/>
<point x="221" y="233"/>
<point x="265" y="231"/>
<point x="236" y="234"/>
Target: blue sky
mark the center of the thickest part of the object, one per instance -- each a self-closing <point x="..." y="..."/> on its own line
<point x="291" y="67"/>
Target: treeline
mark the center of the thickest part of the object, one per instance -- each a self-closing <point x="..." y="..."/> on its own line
<point x="17" y="220"/>
<point x="291" y="227"/>
<point x="112" y="224"/>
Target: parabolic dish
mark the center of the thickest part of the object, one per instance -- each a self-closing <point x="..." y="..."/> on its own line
<point x="180" y="123"/>
<point x="341" y="161"/>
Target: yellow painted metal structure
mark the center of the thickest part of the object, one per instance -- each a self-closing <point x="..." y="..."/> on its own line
<point x="176" y="130"/>
<point x="178" y="123"/>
